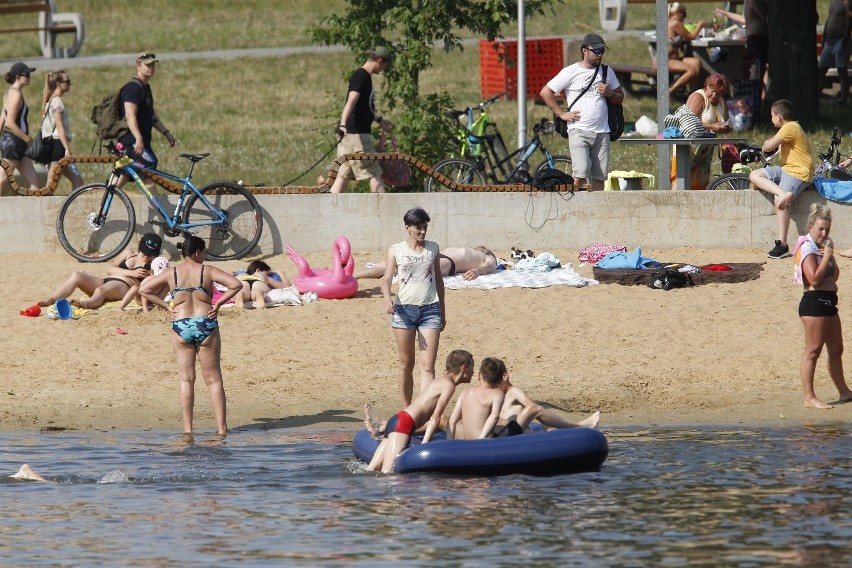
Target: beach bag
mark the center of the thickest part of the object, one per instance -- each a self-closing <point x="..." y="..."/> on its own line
<point x="41" y="149"/>
<point x="615" y="115"/>
<point x="688" y="123"/>
<point x="394" y="172"/>
<point x="670" y="278"/>
<point x="108" y="116"/>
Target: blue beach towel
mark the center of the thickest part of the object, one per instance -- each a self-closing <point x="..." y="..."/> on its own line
<point x="621" y="260"/>
<point x="834" y="189"/>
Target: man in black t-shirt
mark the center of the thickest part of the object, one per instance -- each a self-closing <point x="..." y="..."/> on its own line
<point x="137" y="103"/>
<point x="358" y="115"/>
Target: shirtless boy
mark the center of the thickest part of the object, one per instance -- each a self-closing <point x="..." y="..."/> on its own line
<point x="469" y="262"/>
<point x="479" y="407"/>
<point x="426" y="408"/>
<point x="519" y="410"/>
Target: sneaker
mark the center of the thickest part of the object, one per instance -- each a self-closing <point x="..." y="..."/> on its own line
<point x="780" y="251"/>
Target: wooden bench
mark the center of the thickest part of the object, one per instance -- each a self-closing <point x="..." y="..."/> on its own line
<point x="638" y="80"/>
<point x="613" y="13"/>
<point x="50" y="24"/>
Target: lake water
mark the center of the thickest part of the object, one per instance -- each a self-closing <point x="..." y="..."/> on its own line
<point x="675" y="496"/>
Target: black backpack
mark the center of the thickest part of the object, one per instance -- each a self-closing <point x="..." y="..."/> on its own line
<point x="547" y="179"/>
<point x="669" y="278"/>
<point x="615" y="115"/>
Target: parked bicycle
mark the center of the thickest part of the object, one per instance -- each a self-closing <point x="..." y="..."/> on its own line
<point x="97" y="221"/>
<point x="483" y="156"/>
<point x="828" y="167"/>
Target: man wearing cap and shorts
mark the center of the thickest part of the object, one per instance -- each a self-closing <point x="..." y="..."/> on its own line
<point x="359" y="112"/>
<point x="137" y="106"/>
<point x="588" y="124"/>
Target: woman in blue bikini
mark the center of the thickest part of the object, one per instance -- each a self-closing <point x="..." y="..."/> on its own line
<point x="195" y="325"/>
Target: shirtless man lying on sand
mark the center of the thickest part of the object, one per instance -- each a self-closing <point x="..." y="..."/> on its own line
<point x="470" y="262"/>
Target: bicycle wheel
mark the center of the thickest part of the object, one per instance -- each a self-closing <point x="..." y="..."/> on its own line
<point x="96" y="222"/>
<point x="232" y="238"/>
<point x="457" y="170"/>
<point x="729" y="181"/>
<point x="561" y="163"/>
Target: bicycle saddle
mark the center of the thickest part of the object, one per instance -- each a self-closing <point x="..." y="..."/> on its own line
<point x="194" y="158"/>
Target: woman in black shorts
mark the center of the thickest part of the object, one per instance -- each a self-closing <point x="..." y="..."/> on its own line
<point x="14" y="136"/>
<point x="818" y="272"/>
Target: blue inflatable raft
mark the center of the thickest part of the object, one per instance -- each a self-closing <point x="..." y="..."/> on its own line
<point x="569" y="450"/>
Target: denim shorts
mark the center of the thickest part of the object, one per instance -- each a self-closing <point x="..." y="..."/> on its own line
<point x="408" y="316"/>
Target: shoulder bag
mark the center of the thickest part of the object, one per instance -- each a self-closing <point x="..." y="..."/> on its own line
<point x="561" y="126"/>
<point x="394" y="172"/>
<point x="41" y="149"/>
<point x="615" y="115"/>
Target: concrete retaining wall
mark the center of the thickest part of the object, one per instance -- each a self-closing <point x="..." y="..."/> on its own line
<point x="650" y="219"/>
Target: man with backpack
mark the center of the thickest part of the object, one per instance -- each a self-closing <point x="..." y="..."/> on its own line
<point x="137" y="107"/>
<point x="587" y="86"/>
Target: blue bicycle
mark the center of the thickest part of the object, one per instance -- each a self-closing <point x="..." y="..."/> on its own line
<point x="97" y="221"/>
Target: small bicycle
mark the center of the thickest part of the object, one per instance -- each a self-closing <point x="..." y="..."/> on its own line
<point x="483" y="155"/>
<point x="97" y="221"/>
<point x="828" y="167"/>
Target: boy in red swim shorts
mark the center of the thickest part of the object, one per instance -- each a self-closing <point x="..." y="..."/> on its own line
<point x="427" y="408"/>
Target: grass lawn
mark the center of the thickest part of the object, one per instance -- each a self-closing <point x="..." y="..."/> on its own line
<point x="267" y="119"/>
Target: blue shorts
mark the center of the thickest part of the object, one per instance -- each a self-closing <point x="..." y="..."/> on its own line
<point x="407" y="316"/>
<point x="785" y="181"/>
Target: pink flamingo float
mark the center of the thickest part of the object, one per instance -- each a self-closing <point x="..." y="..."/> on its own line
<point x="336" y="283"/>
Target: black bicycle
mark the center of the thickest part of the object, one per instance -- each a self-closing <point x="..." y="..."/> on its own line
<point x="485" y="157"/>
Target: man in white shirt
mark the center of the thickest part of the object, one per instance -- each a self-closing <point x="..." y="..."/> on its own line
<point x="588" y="128"/>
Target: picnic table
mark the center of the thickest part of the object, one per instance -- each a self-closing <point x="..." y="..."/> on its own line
<point x="51" y="23"/>
<point x="683" y="151"/>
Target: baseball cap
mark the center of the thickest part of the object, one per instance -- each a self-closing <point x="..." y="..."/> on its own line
<point x="20" y="68"/>
<point x="150" y="244"/>
<point x="146" y="57"/>
<point x="593" y="41"/>
<point x="382" y="52"/>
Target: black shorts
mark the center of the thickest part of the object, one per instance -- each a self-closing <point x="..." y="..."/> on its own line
<point x="12" y="147"/>
<point x="510" y="429"/>
<point x="818" y="303"/>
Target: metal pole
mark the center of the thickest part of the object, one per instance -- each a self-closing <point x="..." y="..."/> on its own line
<point x="522" y="76"/>
<point x="664" y="151"/>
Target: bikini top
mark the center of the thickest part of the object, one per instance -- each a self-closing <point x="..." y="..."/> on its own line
<point x="199" y="288"/>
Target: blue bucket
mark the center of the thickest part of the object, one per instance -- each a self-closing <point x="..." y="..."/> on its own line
<point x="63" y="309"/>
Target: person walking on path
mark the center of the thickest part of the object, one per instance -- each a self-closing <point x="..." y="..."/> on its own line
<point x="195" y="325"/>
<point x="818" y="272"/>
<point x="588" y="125"/>
<point x="418" y="310"/>
<point x="137" y="104"/>
<point x="57" y="123"/>
<point x="358" y="115"/>
<point x="14" y="129"/>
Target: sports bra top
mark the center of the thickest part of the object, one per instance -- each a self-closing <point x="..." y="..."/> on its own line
<point x="199" y="288"/>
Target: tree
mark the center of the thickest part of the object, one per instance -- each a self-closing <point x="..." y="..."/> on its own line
<point x="793" y="73"/>
<point x="413" y="28"/>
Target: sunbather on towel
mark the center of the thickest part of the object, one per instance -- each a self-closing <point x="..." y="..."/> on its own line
<point x="469" y="262"/>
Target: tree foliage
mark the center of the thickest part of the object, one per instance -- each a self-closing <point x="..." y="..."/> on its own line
<point x="414" y="28"/>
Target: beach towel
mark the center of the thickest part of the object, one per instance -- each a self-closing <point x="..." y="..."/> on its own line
<point x="596" y="251"/>
<point x="805" y="247"/>
<point x="740" y="272"/>
<point x="563" y="276"/>
<point x="834" y="189"/>
<point x="622" y="260"/>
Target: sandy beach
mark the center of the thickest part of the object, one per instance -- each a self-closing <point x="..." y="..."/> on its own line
<point x="716" y="353"/>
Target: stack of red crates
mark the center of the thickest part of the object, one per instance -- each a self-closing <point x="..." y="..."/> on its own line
<point x="498" y="69"/>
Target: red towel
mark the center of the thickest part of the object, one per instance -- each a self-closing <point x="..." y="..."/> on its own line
<point x="716" y="267"/>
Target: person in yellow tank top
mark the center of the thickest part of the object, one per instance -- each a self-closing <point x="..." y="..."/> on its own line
<point x="785" y="182"/>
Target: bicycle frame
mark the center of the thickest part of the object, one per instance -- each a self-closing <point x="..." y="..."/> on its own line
<point x="125" y="164"/>
<point x="504" y="165"/>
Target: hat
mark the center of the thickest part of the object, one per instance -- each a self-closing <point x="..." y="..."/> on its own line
<point x="383" y="52"/>
<point x="593" y="41"/>
<point x="146" y="57"/>
<point x="20" y="68"/>
<point x="150" y="244"/>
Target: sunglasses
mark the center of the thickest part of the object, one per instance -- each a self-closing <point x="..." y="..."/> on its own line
<point x="598" y="51"/>
<point x="68" y="81"/>
<point x="148" y="56"/>
<point x="24" y="75"/>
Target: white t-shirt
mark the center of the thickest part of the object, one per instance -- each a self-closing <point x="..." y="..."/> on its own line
<point x="48" y="127"/>
<point x="416" y="272"/>
<point x="591" y="106"/>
